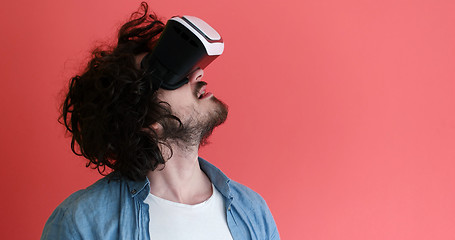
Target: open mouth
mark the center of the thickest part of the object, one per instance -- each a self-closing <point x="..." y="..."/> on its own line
<point x="201" y="92"/>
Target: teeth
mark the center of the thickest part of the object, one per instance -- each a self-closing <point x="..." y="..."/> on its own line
<point x="201" y="94"/>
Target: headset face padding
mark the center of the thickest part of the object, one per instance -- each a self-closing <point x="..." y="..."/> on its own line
<point x="186" y="43"/>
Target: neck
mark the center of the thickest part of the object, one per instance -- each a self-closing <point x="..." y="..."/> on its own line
<point x="181" y="179"/>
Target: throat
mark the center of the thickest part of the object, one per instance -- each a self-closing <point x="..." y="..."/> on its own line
<point x="181" y="183"/>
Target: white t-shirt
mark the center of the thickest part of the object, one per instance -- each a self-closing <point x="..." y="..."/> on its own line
<point x="177" y="221"/>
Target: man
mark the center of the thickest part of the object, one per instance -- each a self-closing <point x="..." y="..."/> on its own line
<point x="159" y="188"/>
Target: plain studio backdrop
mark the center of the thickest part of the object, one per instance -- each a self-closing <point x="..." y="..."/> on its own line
<point x="342" y="113"/>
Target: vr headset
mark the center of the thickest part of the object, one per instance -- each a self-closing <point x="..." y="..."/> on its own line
<point x="186" y="43"/>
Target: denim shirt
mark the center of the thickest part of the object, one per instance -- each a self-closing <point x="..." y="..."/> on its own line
<point x="114" y="208"/>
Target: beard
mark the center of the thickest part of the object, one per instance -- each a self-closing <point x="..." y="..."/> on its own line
<point x="195" y="130"/>
<point x="214" y="119"/>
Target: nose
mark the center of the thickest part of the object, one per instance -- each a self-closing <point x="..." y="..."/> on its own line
<point x="196" y="75"/>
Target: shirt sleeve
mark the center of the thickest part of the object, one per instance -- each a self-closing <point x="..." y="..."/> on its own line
<point x="272" y="228"/>
<point x="59" y="226"/>
<point x="254" y="215"/>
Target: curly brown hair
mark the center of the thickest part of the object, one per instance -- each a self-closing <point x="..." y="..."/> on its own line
<point x="109" y="108"/>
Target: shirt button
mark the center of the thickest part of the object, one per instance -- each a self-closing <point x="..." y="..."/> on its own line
<point x="133" y="191"/>
<point x="229" y="208"/>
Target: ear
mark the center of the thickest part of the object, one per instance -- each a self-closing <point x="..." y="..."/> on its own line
<point x="156" y="127"/>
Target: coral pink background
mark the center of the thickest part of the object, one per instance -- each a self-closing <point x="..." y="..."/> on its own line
<point x="342" y="112"/>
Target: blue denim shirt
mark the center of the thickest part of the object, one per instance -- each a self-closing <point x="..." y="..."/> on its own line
<point x="114" y="208"/>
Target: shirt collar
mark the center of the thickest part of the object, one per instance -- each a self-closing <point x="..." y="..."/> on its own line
<point x="142" y="188"/>
<point x="139" y="188"/>
<point x="218" y="178"/>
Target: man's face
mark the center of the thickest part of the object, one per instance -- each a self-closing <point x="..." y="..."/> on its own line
<point x="199" y="111"/>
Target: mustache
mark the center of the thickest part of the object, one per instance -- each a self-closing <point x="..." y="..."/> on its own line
<point x="198" y="87"/>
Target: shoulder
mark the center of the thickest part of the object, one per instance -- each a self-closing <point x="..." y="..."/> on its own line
<point x="248" y="200"/>
<point x="246" y="195"/>
<point x="251" y="209"/>
<point x="96" y="194"/>
<point x="83" y="207"/>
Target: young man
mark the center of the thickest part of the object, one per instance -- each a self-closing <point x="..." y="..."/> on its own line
<point x="159" y="188"/>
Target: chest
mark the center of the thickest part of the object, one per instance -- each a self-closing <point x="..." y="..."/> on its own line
<point x="170" y="220"/>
